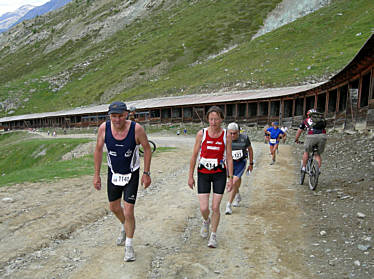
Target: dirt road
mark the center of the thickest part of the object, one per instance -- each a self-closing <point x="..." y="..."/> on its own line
<point x="63" y="229"/>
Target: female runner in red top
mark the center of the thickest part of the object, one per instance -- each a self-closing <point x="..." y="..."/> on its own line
<point x="214" y="164"/>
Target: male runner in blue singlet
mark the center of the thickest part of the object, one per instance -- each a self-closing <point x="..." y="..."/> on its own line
<point x="275" y="134"/>
<point x="122" y="138"/>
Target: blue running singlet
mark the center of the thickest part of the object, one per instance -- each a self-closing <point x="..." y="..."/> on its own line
<point x="123" y="155"/>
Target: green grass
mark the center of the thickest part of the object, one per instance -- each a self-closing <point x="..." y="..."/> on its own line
<point x="27" y="159"/>
<point x="30" y="159"/>
<point x="157" y="55"/>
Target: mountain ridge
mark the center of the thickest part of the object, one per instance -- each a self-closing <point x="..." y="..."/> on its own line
<point x="41" y="10"/>
<point x="9" y="18"/>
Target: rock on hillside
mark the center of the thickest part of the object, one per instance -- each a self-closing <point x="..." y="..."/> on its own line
<point x="288" y="11"/>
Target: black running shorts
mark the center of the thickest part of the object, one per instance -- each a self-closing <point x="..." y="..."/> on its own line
<point x="129" y="191"/>
<point x="205" y="180"/>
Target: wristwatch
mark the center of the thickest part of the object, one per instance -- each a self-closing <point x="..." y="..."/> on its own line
<point x="147" y="173"/>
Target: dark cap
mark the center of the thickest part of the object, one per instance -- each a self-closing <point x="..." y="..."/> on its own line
<point x="117" y="107"/>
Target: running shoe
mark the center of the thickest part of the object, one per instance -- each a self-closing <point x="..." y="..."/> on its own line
<point x="204" y="232"/>
<point x="129" y="254"/>
<point x="212" y="243"/>
<point x="237" y="200"/>
<point x="121" y="240"/>
<point x="228" y="209"/>
<point x="272" y="162"/>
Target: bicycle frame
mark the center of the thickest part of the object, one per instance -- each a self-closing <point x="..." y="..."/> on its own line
<point x="312" y="169"/>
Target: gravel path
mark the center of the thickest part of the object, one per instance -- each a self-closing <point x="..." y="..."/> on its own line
<point x="63" y="229"/>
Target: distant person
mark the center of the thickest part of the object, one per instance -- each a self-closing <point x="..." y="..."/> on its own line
<point x="214" y="163"/>
<point x="54" y="133"/>
<point x="266" y="136"/>
<point x="178" y="132"/>
<point x="48" y="132"/>
<point x="185" y="131"/>
<point x="241" y="150"/>
<point x="316" y="135"/>
<point x="131" y="115"/>
<point x="122" y="138"/>
<point x="274" y="135"/>
<point x="283" y="137"/>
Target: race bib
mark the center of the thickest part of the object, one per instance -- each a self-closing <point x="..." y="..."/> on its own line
<point x="237" y="154"/>
<point x="121" y="179"/>
<point x="273" y="140"/>
<point x="209" y="164"/>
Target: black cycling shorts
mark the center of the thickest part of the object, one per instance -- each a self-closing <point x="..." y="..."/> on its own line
<point x="129" y="191"/>
<point x="205" y="180"/>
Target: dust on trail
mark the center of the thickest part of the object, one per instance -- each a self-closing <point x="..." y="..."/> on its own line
<point x="63" y="229"/>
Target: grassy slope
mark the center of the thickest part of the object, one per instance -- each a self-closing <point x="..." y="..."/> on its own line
<point x="23" y="158"/>
<point x="154" y="56"/>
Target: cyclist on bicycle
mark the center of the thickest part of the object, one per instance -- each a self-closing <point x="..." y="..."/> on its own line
<point x="316" y="136"/>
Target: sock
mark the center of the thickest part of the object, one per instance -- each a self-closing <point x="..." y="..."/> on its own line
<point x="213" y="234"/>
<point x="228" y="203"/>
<point x="303" y="168"/>
<point x="123" y="227"/>
<point x="128" y="241"/>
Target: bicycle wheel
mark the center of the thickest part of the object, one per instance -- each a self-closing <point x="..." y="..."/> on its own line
<point x="313" y="175"/>
<point x="302" y="175"/>
<point x="152" y="144"/>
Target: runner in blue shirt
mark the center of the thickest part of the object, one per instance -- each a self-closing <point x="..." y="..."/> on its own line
<point x="275" y="134"/>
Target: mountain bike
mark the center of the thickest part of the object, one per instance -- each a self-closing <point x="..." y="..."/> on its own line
<point x="152" y="144"/>
<point x="312" y="169"/>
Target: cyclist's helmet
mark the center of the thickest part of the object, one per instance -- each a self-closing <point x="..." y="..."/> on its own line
<point x="310" y="111"/>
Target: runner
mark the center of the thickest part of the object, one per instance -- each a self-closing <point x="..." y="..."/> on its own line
<point x="275" y="134"/>
<point x="122" y="138"/>
<point x="316" y="135"/>
<point x="283" y="137"/>
<point x="241" y="147"/>
<point x="215" y="161"/>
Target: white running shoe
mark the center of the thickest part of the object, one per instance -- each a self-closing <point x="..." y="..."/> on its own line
<point x="237" y="200"/>
<point x="121" y="240"/>
<point x="235" y="203"/>
<point x="204" y="232"/>
<point x="129" y="254"/>
<point x="212" y="243"/>
<point x="228" y="209"/>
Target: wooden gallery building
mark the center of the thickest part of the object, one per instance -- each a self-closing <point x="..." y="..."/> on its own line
<point x="347" y="100"/>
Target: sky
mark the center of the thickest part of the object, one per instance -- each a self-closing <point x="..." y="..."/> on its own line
<point x="12" y="5"/>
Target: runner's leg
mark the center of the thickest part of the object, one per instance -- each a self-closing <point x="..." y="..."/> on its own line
<point x="116" y="208"/>
<point x="235" y="188"/>
<point x="204" y="205"/>
<point x="275" y="147"/>
<point x="216" y="211"/>
<point x="130" y="219"/>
